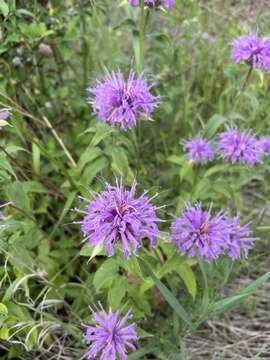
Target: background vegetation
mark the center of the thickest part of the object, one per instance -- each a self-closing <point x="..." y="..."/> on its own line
<point x="53" y="150"/>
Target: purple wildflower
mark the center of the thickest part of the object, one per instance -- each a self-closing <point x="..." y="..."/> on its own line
<point x="154" y="3"/>
<point x="116" y="101"/>
<point x="196" y="231"/>
<point x="116" y="216"/>
<point x="240" y="147"/>
<point x="110" y="337"/>
<point x="240" y="239"/>
<point x="265" y="144"/>
<point x="253" y="50"/>
<point x="198" y="150"/>
<point x="4" y="114"/>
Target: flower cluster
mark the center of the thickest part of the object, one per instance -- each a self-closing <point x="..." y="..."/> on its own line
<point x="110" y="336"/>
<point x="117" y="216"/>
<point x="233" y="146"/>
<point x="199" y="232"/>
<point x="123" y="103"/>
<point x="198" y="150"/>
<point x="252" y="50"/>
<point x="239" y="147"/>
<point x="154" y="3"/>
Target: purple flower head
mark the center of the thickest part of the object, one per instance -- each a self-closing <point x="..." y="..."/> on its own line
<point x="199" y="151"/>
<point x="241" y="147"/>
<point x="121" y="102"/>
<point x="253" y="50"/>
<point x="265" y="145"/>
<point x="197" y="232"/>
<point x="117" y="216"/>
<point x="240" y="239"/>
<point x="4" y="114"/>
<point x="110" y="336"/>
<point x="154" y="3"/>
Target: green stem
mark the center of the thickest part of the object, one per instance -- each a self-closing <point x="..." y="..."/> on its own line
<point x="247" y="79"/>
<point x="141" y="36"/>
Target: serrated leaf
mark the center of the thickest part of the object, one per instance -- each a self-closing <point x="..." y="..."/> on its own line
<point x="105" y="272"/>
<point x="17" y="194"/>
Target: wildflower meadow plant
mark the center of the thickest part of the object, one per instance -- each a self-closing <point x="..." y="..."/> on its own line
<point x="252" y="50"/>
<point x="48" y="157"/>
<point x="118" y="216"/>
<point x="154" y="3"/>
<point x="123" y="103"/>
<point x="110" y="336"/>
<point x="198" y="150"/>
<point x="239" y="147"/>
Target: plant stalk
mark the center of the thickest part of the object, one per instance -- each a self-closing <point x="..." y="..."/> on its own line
<point x="141" y="36"/>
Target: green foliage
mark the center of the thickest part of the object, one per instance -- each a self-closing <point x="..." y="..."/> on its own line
<point x="53" y="150"/>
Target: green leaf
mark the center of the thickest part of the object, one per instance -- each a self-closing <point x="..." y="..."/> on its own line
<point x="92" y="251"/>
<point x="4" y="333"/>
<point x="105" y="272"/>
<point x="3" y="313"/>
<point x="213" y="124"/>
<point x="136" y="45"/>
<point x="117" y="291"/>
<point x="167" y="294"/>
<point x="65" y="210"/>
<point x="215" y="169"/>
<point x="17" y="194"/>
<point x="186" y="171"/>
<point x="119" y="161"/>
<point x="93" y="169"/>
<point x="176" y="159"/>
<point x="188" y="277"/>
<point x="4" y="9"/>
<point x="4" y="164"/>
<point x="88" y="156"/>
<point x="36" y="158"/>
<point x="103" y="130"/>
<point x="34" y="187"/>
